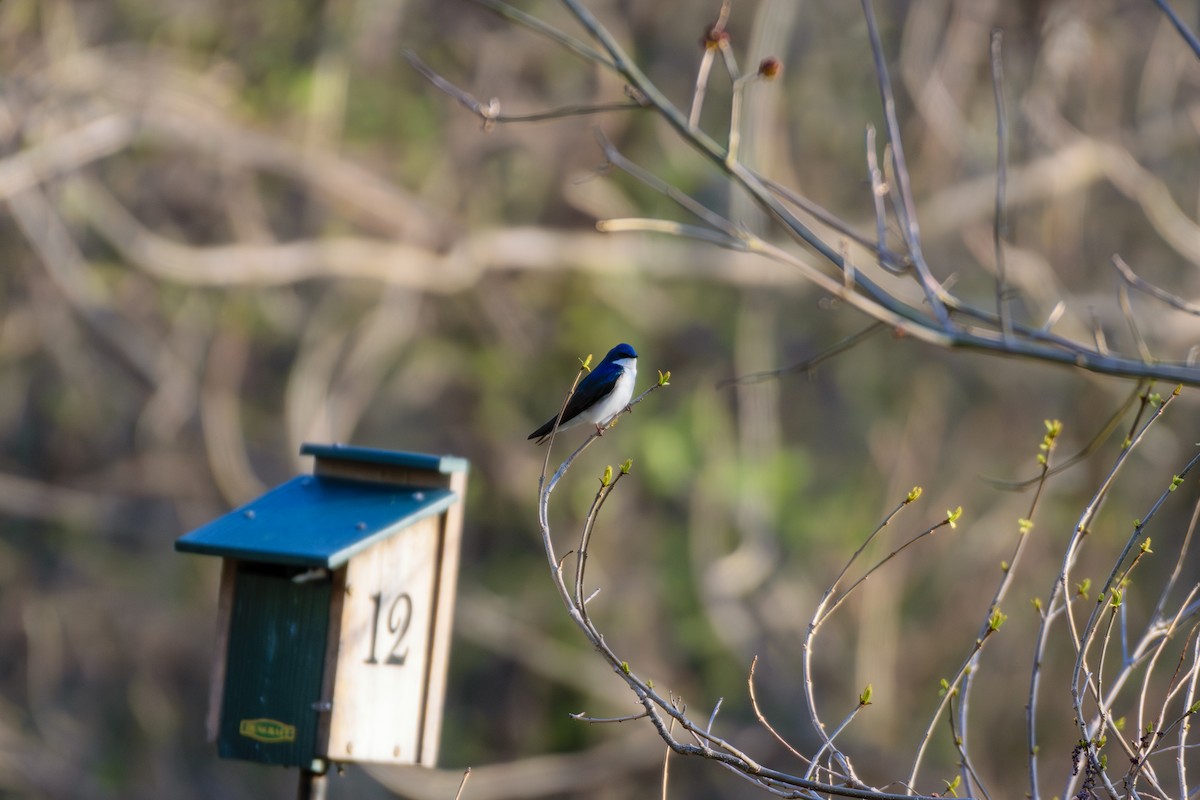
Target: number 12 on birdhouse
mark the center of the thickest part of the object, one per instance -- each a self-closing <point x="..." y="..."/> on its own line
<point x="399" y="617"/>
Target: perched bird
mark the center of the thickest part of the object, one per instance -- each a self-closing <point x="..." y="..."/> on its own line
<point x="601" y="395"/>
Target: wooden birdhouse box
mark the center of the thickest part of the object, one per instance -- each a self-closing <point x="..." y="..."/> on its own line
<point x="334" y="612"/>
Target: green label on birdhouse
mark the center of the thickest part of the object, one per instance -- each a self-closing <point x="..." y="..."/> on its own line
<point x="268" y="731"/>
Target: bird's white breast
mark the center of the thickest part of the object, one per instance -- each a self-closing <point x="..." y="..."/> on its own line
<point x="618" y="398"/>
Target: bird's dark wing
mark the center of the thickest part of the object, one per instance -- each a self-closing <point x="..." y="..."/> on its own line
<point x="595" y="385"/>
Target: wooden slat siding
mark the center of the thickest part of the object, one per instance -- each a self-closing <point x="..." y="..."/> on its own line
<point x="381" y="473"/>
<point x="421" y="462"/>
<point x="446" y="592"/>
<point x="378" y="711"/>
<point x="336" y="604"/>
<point x="216" y="684"/>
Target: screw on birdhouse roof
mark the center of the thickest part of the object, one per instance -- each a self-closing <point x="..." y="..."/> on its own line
<point x="248" y="513"/>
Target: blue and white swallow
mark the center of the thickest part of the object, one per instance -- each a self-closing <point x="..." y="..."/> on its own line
<point x="601" y="395"/>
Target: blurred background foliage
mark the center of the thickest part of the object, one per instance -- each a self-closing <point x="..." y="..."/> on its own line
<point x="233" y="227"/>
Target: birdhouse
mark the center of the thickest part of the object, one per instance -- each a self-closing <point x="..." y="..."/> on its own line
<point x="334" y="611"/>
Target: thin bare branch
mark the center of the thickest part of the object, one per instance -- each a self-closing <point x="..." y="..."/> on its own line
<point x="1142" y="285"/>
<point x="463" y="785"/>
<point x="1093" y="444"/>
<point x="807" y="366"/>
<point x="762" y="719"/>
<point x="583" y="717"/>
<point x="879" y="564"/>
<point x="490" y="112"/>
<point x="879" y="193"/>
<point x="1000" y="225"/>
<point x="540" y="27"/>
<point x="1180" y="26"/>
<point x="1131" y="321"/>
<point x="908" y="207"/>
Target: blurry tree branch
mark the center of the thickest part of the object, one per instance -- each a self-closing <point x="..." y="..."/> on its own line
<point x="402" y="263"/>
<point x="166" y="107"/>
<point x="220" y="413"/>
<point x="23" y="497"/>
<point x="485" y="621"/>
<point x="95" y="139"/>
<point x="49" y="237"/>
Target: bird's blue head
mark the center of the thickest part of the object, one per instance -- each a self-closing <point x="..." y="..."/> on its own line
<point x="620" y="351"/>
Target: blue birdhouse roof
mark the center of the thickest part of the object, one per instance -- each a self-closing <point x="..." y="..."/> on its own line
<point x="321" y="520"/>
